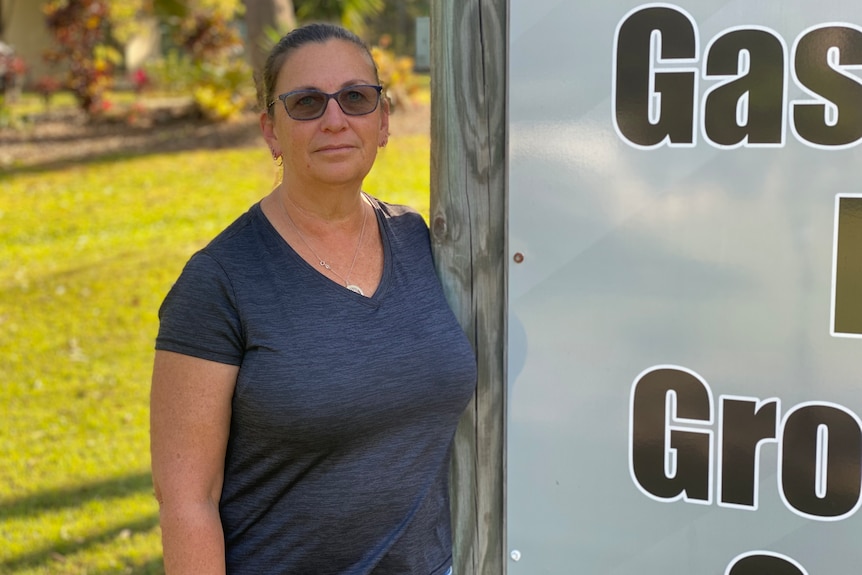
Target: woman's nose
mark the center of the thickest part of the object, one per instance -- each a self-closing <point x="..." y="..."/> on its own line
<point x="333" y="115"/>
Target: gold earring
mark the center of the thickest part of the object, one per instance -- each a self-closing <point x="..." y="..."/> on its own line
<point x="277" y="157"/>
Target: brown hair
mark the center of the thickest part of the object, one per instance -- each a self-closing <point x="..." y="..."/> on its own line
<point x="318" y="33"/>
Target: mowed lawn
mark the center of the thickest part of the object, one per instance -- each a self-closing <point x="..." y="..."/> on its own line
<point x="86" y="255"/>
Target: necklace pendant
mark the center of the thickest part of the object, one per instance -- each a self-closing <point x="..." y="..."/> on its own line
<point x="323" y="263"/>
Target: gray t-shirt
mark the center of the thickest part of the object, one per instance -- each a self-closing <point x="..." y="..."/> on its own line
<point x="344" y="408"/>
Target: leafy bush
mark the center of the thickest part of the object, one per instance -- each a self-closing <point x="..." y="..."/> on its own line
<point x="208" y="62"/>
<point x="396" y="75"/>
<point x="173" y="73"/>
<point x="80" y="29"/>
<point x="223" y="91"/>
<point x="220" y="90"/>
<point x="47" y="86"/>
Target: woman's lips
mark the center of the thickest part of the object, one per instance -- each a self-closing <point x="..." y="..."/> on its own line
<point x="335" y="148"/>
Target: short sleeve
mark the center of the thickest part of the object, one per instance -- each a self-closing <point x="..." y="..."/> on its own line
<point x="199" y="316"/>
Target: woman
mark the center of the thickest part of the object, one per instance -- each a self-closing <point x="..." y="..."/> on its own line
<point x="309" y="375"/>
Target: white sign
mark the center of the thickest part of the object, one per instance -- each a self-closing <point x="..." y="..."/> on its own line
<point x="685" y="288"/>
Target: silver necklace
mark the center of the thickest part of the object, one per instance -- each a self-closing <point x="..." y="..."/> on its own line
<point x="346" y="279"/>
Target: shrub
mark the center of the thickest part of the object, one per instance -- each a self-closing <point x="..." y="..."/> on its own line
<point x="220" y="90"/>
<point x="80" y="28"/>
<point x="208" y="63"/>
<point x="396" y="75"/>
<point x="47" y="86"/>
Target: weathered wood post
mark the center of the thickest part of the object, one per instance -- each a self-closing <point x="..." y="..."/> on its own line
<point x="468" y="222"/>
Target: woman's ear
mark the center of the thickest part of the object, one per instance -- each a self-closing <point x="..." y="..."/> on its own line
<point x="267" y="128"/>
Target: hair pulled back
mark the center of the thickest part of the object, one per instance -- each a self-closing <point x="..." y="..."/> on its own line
<point x="311" y="33"/>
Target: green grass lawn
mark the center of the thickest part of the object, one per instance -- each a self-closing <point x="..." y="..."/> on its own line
<point x="86" y="255"/>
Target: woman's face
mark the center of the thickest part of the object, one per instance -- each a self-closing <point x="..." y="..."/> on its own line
<point x="334" y="149"/>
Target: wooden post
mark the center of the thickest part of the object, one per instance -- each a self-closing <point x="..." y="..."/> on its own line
<point x="468" y="223"/>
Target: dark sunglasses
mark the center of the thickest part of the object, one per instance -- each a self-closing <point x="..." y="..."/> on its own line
<point x="310" y="104"/>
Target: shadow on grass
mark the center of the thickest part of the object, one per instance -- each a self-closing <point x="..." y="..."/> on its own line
<point x="57" y="499"/>
<point x="58" y="550"/>
<point x="65" y="497"/>
<point x="82" y="144"/>
<point x="152" y="567"/>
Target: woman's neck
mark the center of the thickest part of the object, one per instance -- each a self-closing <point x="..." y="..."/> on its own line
<point x="330" y="203"/>
<point x="322" y="213"/>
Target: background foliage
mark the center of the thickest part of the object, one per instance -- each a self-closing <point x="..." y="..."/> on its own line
<point x="80" y="31"/>
<point x="202" y="42"/>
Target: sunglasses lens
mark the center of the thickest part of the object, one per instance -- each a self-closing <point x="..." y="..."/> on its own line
<point x="310" y="104"/>
<point x="358" y="100"/>
<point x="305" y="105"/>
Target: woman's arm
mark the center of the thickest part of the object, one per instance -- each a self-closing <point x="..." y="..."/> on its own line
<point x="190" y="410"/>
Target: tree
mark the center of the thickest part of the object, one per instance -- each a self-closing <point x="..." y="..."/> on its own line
<point x="352" y="14"/>
<point x="261" y="18"/>
<point x="5" y="10"/>
<point x="398" y="22"/>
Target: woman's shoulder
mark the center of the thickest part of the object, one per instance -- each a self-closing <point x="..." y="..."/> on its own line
<point x="245" y="234"/>
<point x="237" y="230"/>
<point x="399" y="214"/>
<point x="237" y="248"/>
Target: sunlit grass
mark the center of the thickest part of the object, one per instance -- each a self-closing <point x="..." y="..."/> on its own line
<point x="86" y="255"/>
<point x="401" y="174"/>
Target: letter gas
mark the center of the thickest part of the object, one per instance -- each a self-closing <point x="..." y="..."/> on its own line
<point x="657" y="68"/>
